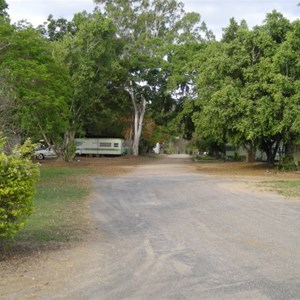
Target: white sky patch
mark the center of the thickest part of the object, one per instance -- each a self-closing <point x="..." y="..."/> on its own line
<point x="37" y="11"/>
<point x="215" y="13"/>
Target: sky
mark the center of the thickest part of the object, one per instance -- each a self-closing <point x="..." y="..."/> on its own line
<point x="215" y="13"/>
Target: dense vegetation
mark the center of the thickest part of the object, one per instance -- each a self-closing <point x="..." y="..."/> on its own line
<point x="148" y="71"/>
<point x="18" y="176"/>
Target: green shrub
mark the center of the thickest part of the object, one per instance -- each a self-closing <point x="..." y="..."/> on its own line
<point x="286" y="164"/>
<point x="18" y="176"/>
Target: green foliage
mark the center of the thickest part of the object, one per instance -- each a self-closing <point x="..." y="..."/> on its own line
<point x="248" y="90"/>
<point x="91" y="55"/>
<point x="2" y="143"/>
<point x="18" y="176"/>
<point x="3" y="8"/>
<point x="41" y="89"/>
<point x="286" y="164"/>
<point x="151" y="31"/>
<point x="57" y="29"/>
<point x="81" y="76"/>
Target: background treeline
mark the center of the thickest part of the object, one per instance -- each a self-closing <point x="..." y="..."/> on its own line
<point x="148" y="71"/>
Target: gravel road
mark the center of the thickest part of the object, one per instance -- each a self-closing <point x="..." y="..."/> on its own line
<point x="164" y="231"/>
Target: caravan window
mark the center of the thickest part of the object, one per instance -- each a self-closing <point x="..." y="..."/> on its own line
<point x="116" y="145"/>
<point x="103" y="144"/>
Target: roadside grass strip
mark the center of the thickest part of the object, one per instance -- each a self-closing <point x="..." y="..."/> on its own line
<point x="59" y="206"/>
<point x="287" y="188"/>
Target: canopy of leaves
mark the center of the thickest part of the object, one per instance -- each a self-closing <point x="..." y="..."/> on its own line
<point x="247" y="86"/>
<point x="3" y="8"/>
<point x="92" y="58"/>
<point x="40" y="84"/>
<point x="151" y="31"/>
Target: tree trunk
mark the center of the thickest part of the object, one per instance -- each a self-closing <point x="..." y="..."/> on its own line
<point x="138" y="125"/>
<point x="289" y="150"/>
<point x="69" y="148"/>
<point x="270" y="160"/>
<point x="271" y="153"/>
<point x="251" y="151"/>
<point x="139" y="113"/>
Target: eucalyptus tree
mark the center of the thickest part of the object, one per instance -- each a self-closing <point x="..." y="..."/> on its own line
<point x="149" y="29"/>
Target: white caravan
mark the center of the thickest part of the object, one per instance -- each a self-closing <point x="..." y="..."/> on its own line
<point x="99" y="146"/>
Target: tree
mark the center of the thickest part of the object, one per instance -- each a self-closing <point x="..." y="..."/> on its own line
<point x="8" y="105"/>
<point x="3" y="8"/>
<point x="243" y="98"/>
<point x="40" y="85"/>
<point x="5" y="32"/>
<point x="277" y="26"/>
<point x="286" y="62"/>
<point x="230" y="33"/>
<point x="149" y="29"/>
<point x="91" y="57"/>
<point x="56" y="29"/>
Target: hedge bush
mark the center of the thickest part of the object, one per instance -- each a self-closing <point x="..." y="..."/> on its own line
<point x="18" y="176"/>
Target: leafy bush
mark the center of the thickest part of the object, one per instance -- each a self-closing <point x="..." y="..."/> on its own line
<point x="286" y="164"/>
<point x="18" y="176"/>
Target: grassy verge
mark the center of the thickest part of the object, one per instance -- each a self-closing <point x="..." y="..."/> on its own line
<point x="59" y="206"/>
<point x="287" y="188"/>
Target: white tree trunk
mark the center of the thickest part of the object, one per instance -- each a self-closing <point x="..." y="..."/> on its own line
<point x="139" y="113"/>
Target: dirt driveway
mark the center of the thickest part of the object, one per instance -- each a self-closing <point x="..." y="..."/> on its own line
<point x="167" y="230"/>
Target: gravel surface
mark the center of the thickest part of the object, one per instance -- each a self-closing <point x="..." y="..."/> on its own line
<point x="166" y="231"/>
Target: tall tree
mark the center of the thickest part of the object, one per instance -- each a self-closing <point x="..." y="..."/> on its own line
<point x="286" y="64"/>
<point x="148" y="29"/>
<point x="40" y="85"/>
<point x="243" y="98"/>
<point x="91" y="56"/>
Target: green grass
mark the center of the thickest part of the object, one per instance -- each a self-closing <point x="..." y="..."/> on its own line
<point x="59" y="206"/>
<point x="288" y="188"/>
